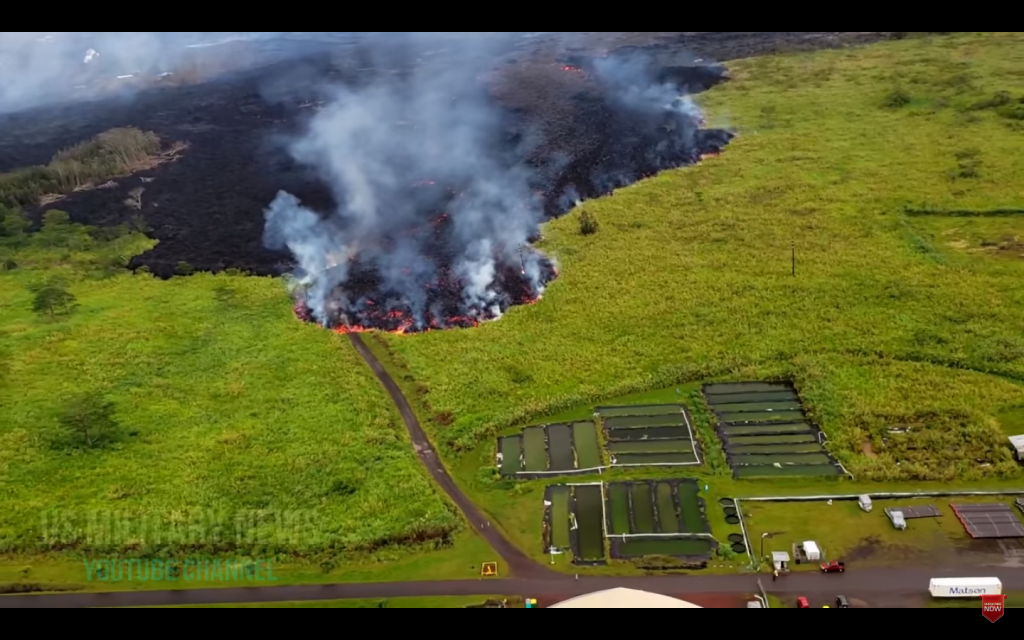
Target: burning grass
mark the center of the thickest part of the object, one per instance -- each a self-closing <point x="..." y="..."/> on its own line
<point x="226" y="405"/>
<point x="690" y="276"/>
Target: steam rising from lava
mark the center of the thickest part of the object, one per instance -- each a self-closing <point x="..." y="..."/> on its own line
<point x="431" y="221"/>
<point x="435" y="205"/>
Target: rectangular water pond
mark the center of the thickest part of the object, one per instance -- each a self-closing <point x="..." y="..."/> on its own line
<point x="560" y="521"/>
<point x="686" y="548"/>
<point x="796" y="458"/>
<point x="588" y="451"/>
<point x="694" y="520"/>
<point x="535" y="449"/>
<point x="668" y="516"/>
<point x="650" y="433"/>
<point x="794" y="438"/>
<point x="767" y="416"/>
<point x="560" y="448"/>
<point x="639" y="410"/>
<point x="618" y="508"/>
<point x="770" y="471"/>
<point x="810" y="447"/>
<point x="654" y="459"/>
<point x="775" y="396"/>
<point x="590" y="522"/>
<point x="780" y="429"/>
<point x="673" y="420"/>
<point x="747" y="387"/>
<point x="643" y="509"/>
<point x="651" y="446"/>
<point x="511" y="453"/>
<point x="758" y="407"/>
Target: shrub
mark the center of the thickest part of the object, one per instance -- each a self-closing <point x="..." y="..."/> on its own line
<point x="588" y="223"/>
<point x="87" y="421"/>
<point x="1000" y="99"/>
<point x="52" y="298"/>
<point x="897" y="99"/>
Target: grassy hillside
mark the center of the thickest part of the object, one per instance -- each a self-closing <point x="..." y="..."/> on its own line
<point x="900" y="313"/>
<point x="232" y="426"/>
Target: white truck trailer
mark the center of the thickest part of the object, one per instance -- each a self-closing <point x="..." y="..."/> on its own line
<point x="965" y="587"/>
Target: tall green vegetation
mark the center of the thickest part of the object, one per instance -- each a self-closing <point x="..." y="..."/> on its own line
<point x="190" y="416"/>
<point x="110" y="154"/>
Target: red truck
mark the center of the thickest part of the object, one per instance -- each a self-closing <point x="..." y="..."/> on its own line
<point x="833" y="567"/>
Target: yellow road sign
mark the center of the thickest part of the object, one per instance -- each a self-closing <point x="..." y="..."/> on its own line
<point x="489" y="570"/>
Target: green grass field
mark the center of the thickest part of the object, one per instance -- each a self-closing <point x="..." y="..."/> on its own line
<point x="890" y="320"/>
<point x="845" y="532"/>
<point x="231" y="413"/>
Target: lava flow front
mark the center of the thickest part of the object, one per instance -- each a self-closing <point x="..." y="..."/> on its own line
<point x="436" y="289"/>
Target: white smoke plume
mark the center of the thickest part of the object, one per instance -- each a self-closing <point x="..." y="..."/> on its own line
<point x="372" y="145"/>
<point x="39" y="67"/>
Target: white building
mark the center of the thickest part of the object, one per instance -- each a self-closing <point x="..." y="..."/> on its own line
<point x="1018" y="445"/>
<point x="624" y="599"/>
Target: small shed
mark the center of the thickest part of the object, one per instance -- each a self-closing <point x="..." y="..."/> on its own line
<point x="865" y="503"/>
<point x="755" y="604"/>
<point x="1018" y="446"/>
<point x="812" y="551"/>
<point x="781" y="560"/>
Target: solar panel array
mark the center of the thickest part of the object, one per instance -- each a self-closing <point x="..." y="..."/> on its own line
<point x="989" y="521"/>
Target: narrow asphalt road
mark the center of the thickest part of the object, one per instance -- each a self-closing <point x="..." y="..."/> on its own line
<point x="519" y="564"/>
<point x="861" y="584"/>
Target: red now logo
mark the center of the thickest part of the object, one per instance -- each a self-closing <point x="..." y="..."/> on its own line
<point x="992" y="607"/>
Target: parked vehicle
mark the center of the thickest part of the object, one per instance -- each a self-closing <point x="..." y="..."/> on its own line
<point x="833" y="567"/>
<point x="965" y="587"/>
<point x="803" y="603"/>
<point x="842" y="602"/>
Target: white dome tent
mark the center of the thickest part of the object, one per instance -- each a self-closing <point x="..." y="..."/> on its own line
<point x="624" y="599"/>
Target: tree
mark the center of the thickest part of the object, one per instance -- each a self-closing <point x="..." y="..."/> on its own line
<point x="13" y="223"/>
<point x="588" y="223"/>
<point x="134" y="200"/>
<point x="52" y="298"/>
<point x="56" y="228"/>
<point x="184" y="269"/>
<point x="88" y="420"/>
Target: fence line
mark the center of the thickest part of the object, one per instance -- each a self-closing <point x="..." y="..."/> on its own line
<point x="886" y="496"/>
<point x="746" y="536"/>
<point x="764" y="595"/>
<point x="604" y="513"/>
<point x="693" y="439"/>
<point x="575" y="472"/>
<point x="666" y="464"/>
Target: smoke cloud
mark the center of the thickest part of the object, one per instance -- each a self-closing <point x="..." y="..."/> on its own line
<point x="41" y="67"/>
<point x="397" y="152"/>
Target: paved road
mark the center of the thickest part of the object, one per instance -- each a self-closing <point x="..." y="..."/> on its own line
<point x="861" y="584"/>
<point x="519" y="564"/>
